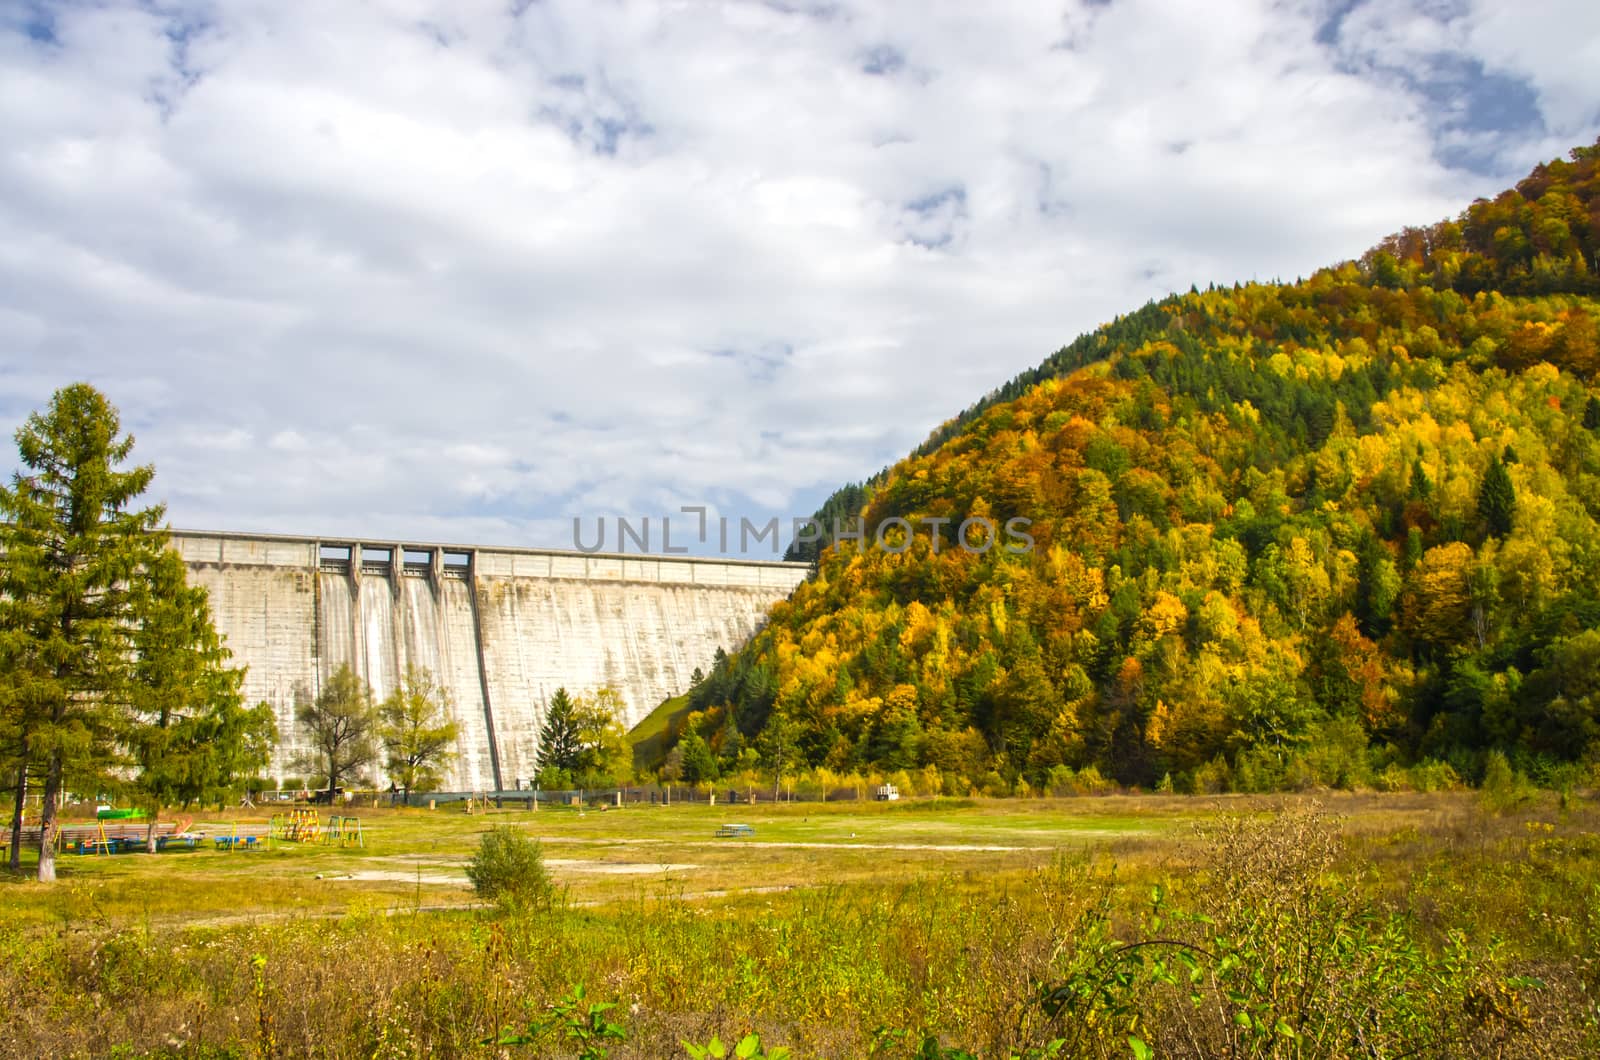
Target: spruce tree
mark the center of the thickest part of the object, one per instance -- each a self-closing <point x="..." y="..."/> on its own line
<point x="192" y="737"/>
<point x="73" y="547"/>
<point x="1497" y="498"/>
<point x="561" y="736"/>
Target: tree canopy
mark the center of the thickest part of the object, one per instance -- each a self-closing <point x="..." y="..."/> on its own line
<point x="340" y="725"/>
<point x="109" y="665"/>
<point x="417" y="734"/>
<point x="1284" y="534"/>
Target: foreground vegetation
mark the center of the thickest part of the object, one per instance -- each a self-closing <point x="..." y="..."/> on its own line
<point x="1406" y="925"/>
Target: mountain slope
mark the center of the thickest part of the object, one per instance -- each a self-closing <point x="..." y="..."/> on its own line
<point x="1283" y="534"/>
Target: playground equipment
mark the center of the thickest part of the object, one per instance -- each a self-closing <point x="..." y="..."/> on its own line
<point x="98" y="844"/>
<point x="298" y="826"/>
<point x="343" y="832"/>
<point x="95" y="839"/>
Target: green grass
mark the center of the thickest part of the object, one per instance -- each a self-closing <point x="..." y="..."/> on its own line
<point x="649" y="737"/>
<point x="834" y="920"/>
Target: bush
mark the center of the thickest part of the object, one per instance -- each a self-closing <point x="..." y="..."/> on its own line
<point x="1090" y="782"/>
<point x="509" y="869"/>
<point x="1212" y="778"/>
<point x="1432" y="775"/>
<point x="1503" y="789"/>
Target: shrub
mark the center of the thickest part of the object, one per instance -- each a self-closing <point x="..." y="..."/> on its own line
<point x="1503" y="789"/>
<point x="1059" y="780"/>
<point x="509" y="869"/>
<point x="1395" y="777"/>
<point x="1212" y="778"/>
<point x="1090" y="782"/>
<point x="1430" y="774"/>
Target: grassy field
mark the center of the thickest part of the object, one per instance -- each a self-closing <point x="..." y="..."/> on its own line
<point x="1374" y="925"/>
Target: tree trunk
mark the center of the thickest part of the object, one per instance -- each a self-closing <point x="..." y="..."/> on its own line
<point x="16" y="812"/>
<point x="47" y="820"/>
<point x="150" y="831"/>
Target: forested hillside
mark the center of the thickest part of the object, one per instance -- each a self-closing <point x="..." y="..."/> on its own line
<point x="1285" y="534"/>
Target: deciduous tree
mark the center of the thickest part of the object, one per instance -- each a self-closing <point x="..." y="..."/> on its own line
<point x="340" y="724"/>
<point x="416" y="731"/>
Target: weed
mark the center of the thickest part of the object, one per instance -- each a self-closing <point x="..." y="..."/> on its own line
<point x="587" y="1027"/>
<point x="748" y="1048"/>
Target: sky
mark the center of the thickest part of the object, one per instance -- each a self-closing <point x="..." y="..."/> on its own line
<point x="466" y="272"/>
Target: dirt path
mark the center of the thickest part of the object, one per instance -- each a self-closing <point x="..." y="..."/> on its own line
<point x="797" y="844"/>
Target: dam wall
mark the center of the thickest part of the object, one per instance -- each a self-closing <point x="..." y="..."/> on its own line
<point x="500" y="629"/>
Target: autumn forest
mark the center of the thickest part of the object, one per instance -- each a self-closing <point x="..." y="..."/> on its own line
<point x="1336" y="532"/>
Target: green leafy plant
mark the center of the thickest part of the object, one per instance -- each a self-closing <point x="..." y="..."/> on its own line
<point x="588" y="1027"/>
<point x="748" y="1048"/>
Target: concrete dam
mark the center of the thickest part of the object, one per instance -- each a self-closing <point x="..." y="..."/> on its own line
<point x="499" y="628"/>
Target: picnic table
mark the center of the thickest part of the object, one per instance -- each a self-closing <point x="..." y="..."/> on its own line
<point x="115" y="844"/>
<point x="735" y="831"/>
<point x="236" y="842"/>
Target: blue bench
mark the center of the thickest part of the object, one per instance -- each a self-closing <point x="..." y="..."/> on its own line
<point x="735" y="831"/>
<point x="234" y="842"/>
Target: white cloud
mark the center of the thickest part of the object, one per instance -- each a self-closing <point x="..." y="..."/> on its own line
<point x="469" y="272"/>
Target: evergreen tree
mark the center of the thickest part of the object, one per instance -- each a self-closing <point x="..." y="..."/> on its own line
<point x="1497" y="498"/>
<point x="416" y="731"/>
<point x="1421" y="484"/>
<point x="560" y="741"/>
<point x="340" y="725"/>
<point x="73" y="546"/>
<point x="192" y="736"/>
<point x="699" y="764"/>
<point x="1591" y="413"/>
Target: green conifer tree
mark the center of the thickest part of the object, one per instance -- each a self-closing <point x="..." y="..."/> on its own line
<point x="192" y="736"/>
<point x="560" y="738"/>
<point x="73" y="547"/>
<point x="1497" y="498"/>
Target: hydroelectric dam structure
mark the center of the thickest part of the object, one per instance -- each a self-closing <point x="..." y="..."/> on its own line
<point x="500" y="629"/>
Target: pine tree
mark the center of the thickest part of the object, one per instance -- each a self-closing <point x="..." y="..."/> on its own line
<point x="340" y="724"/>
<point x="73" y="547"/>
<point x="1497" y="498"/>
<point x="417" y="733"/>
<point x="699" y="764"/>
<point x="193" y="738"/>
<point x="560" y="738"/>
<point x="1591" y="414"/>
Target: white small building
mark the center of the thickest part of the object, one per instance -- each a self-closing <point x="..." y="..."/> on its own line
<point x="887" y="793"/>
